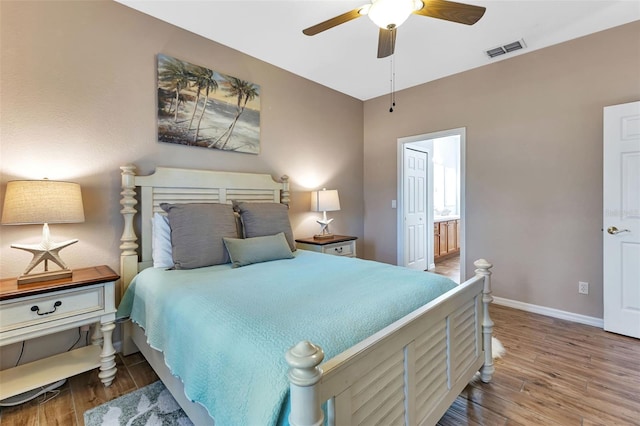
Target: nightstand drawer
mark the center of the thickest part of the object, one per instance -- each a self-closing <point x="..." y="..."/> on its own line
<point x="340" y="249"/>
<point x="34" y="310"/>
<point x="338" y="245"/>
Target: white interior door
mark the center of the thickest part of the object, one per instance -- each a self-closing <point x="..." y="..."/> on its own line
<point x="415" y="208"/>
<point x="621" y="222"/>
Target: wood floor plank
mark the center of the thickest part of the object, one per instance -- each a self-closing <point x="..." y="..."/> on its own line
<point x="88" y="391"/>
<point x="133" y="359"/>
<point x="58" y="411"/>
<point x="565" y="347"/>
<point x="621" y="371"/>
<point x="526" y="351"/>
<point x="142" y="374"/>
<point x="625" y="401"/>
<point x="543" y="375"/>
<point x="85" y="397"/>
<point x="628" y="389"/>
<point x="506" y="378"/>
<point x="578" y="405"/>
<point x="602" y="351"/>
<point x="514" y="405"/>
<point x="464" y="412"/>
<point x="20" y="415"/>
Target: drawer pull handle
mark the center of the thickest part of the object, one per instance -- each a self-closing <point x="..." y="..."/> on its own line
<point x="36" y="309"/>
<point x="338" y="249"/>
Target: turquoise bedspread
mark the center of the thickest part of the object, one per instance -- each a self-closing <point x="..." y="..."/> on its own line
<point x="224" y="331"/>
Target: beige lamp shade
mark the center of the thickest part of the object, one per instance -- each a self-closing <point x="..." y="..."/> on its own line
<point x="325" y="200"/>
<point x="42" y="201"/>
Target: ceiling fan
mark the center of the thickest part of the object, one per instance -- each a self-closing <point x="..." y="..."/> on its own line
<point x="390" y="14"/>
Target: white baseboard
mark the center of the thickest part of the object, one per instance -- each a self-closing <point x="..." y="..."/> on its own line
<point x="550" y="312"/>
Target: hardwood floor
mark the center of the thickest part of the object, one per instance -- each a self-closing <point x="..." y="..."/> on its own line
<point x="79" y="394"/>
<point x="555" y="372"/>
<point x="449" y="267"/>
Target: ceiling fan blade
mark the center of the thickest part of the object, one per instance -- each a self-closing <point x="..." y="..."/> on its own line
<point x="451" y="11"/>
<point x="333" y="22"/>
<point x="386" y="42"/>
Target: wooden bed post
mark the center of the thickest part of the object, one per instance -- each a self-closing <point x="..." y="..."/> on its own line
<point x="486" y="372"/>
<point x="129" y="246"/>
<point x="284" y="192"/>
<point x="304" y="374"/>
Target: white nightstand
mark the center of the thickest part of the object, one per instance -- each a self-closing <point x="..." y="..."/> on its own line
<point x="38" y="309"/>
<point x="339" y="245"/>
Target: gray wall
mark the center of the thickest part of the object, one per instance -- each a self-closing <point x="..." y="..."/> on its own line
<point x="534" y="162"/>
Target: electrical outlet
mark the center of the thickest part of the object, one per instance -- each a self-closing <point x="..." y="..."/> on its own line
<point x="583" y="287"/>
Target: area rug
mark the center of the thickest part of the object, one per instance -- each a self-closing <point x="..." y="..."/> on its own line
<point x="152" y="405"/>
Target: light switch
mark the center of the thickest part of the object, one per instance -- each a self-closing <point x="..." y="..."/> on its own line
<point x="393" y="204"/>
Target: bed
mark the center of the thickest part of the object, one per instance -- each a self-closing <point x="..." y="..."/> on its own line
<point x="406" y="371"/>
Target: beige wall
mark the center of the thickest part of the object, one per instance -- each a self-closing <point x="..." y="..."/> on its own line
<point x="78" y="83"/>
<point x="534" y="162"/>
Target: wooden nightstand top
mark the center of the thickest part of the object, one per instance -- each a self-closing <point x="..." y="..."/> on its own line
<point x="323" y="242"/>
<point x="9" y="288"/>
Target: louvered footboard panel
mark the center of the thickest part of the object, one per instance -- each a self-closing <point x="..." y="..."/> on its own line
<point x="412" y="375"/>
<point x="378" y="397"/>
<point x="465" y="334"/>
<point x="431" y="373"/>
<point x="382" y="396"/>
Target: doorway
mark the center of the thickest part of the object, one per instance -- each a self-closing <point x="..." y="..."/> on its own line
<point x="443" y="236"/>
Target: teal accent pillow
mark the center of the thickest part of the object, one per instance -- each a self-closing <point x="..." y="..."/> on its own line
<point x="257" y="249"/>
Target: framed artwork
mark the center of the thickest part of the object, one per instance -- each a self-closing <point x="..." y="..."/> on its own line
<point x="201" y="107"/>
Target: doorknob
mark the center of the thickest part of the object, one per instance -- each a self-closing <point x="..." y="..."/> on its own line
<point x="613" y="230"/>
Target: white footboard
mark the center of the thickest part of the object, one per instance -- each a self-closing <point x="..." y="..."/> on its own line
<point x="408" y="373"/>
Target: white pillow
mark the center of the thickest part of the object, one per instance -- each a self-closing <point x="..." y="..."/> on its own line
<point x="161" y="242"/>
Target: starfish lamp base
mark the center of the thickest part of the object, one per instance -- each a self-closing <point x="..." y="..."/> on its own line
<point x="324" y="228"/>
<point x="44" y="252"/>
<point x="326" y="236"/>
<point x="44" y="276"/>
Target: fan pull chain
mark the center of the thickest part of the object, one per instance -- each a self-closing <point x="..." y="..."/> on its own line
<point x="392" y="83"/>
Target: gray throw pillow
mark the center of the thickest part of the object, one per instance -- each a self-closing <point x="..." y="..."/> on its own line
<point x="197" y="231"/>
<point x="262" y="219"/>
<point x="257" y="249"/>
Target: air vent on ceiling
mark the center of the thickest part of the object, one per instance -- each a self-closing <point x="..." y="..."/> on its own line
<point x="507" y="48"/>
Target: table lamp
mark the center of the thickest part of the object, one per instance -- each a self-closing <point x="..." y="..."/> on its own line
<point x="324" y="201"/>
<point x="28" y="202"/>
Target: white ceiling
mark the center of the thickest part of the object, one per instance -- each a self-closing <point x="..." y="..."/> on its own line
<point x="344" y="58"/>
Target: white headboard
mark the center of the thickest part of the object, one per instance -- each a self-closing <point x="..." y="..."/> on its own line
<point x="172" y="185"/>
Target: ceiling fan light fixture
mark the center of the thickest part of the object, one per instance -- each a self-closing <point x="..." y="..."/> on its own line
<point x="388" y="14"/>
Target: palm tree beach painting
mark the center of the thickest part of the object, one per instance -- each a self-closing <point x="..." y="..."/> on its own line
<point x="201" y="107"/>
